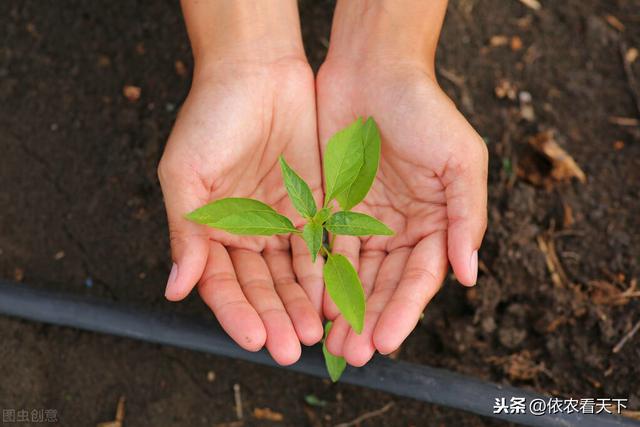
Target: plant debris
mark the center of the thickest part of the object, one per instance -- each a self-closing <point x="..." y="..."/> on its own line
<point x="119" y="415"/>
<point x="313" y="400"/>
<point x="519" y="366"/>
<point x="499" y="40"/>
<point x="230" y="424"/>
<point x="632" y="81"/>
<point x="237" y="397"/>
<point x="181" y="69"/>
<point x="366" y="416"/>
<point x="267" y="414"/>
<point x="18" y="274"/>
<point x="624" y="121"/>
<point x="506" y="89"/>
<point x="615" y="23"/>
<point x="627" y="337"/>
<point x="516" y="43"/>
<point x="562" y="167"/>
<point x="606" y="293"/>
<point x="532" y="4"/>
<point x="132" y="93"/>
<point x="526" y="106"/>
<point x="618" y="145"/>
<point x="558" y="275"/>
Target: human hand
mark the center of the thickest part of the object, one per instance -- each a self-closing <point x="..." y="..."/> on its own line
<point x="238" y="118"/>
<point x="430" y="189"/>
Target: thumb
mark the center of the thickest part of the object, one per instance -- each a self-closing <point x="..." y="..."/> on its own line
<point x="189" y="241"/>
<point x="465" y="183"/>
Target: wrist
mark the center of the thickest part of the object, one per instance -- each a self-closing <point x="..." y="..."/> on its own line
<point x="386" y="32"/>
<point x="243" y="32"/>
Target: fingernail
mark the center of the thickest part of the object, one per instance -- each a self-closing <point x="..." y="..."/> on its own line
<point x="473" y="265"/>
<point x="172" y="278"/>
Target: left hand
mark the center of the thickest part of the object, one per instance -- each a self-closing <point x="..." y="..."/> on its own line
<point x="431" y="189"/>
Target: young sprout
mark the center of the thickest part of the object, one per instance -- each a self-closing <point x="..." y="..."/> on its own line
<point x="350" y="165"/>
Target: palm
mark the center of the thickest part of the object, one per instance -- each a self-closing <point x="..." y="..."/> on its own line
<point x="239" y="157"/>
<point x="412" y="193"/>
<point x="226" y="143"/>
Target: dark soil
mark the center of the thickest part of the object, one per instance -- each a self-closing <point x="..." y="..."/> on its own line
<point x="81" y="211"/>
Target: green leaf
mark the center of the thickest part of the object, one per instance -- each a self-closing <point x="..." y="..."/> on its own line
<point x="358" y="190"/>
<point x="299" y="192"/>
<point x="343" y="160"/>
<point x="345" y="289"/>
<point x="314" y="400"/>
<point x="242" y="216"/>
<point x="356" y="224"/>
<point x="335" y="364"/>
<point x="312" y="234"/>
<point x="322" y="216"/>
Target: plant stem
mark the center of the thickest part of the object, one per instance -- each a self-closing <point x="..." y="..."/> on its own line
<point x="325" y="251"/>
<point x="333" y="240"/>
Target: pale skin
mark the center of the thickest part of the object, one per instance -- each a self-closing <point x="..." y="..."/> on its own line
<point x="253" y="98"/>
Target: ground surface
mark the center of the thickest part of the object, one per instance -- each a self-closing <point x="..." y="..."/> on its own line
<point x="81" y="211"/>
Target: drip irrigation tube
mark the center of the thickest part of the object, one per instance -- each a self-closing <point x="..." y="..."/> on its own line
<point x="400" y="378"/>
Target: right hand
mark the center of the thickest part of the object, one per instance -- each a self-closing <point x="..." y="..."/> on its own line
<point x="236" y="121"/>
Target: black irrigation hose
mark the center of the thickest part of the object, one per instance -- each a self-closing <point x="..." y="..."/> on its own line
<point x="400" y="378"/>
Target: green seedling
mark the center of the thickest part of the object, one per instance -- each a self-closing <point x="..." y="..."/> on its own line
<point x="350" y="164"/>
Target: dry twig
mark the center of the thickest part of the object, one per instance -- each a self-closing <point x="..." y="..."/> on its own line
<point x="366" y="416"/>
<point x="558" y="275"/>
<point x="627" y="337"/>
<point x="605" y="293"/>
<point x="237" y="397"/>
<point x="631" y="78"/>
<point x="624" y="121"/>
<point x="119" y="415"/>
<point x="532" y="4"/>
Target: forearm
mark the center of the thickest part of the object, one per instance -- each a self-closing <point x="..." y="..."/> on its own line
<point x="387" y="30"/>
<point x="243" y="30"/>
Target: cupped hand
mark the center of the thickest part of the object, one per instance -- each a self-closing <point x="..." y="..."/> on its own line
<point x="430" y="189"/>
<point x="236" y="121"/>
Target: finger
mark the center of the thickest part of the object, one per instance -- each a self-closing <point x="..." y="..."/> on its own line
<point x="305" y="318"/>
<point x="309" y="274"/>
<point x="189" y="241"/>
<point x="348" y="246"/>
<point x="359" y="348"/>
<point x="257" y="285"/>
<point x="466" y="192"/>
<point x="422" y="277"/>
<point x="221" y="291"/>
<point x="370" y="262"/>
<point x="339" y="331"/>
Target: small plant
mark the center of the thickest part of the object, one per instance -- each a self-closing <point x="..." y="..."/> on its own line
<point x="350" y="164"/>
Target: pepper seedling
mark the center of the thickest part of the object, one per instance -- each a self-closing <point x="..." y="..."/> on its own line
<point x="350" y="165"/>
